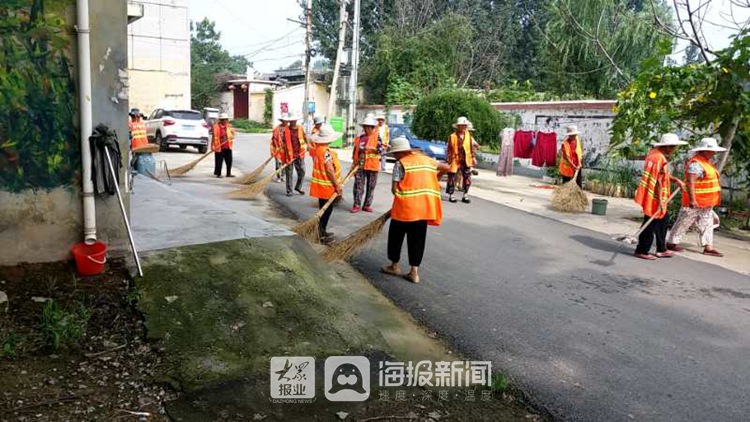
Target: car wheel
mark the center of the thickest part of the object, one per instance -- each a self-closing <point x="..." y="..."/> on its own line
<point x="161" y="142"/>
<point x="202" y="150"/>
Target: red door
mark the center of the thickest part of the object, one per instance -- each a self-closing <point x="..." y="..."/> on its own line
<point x="241" y="101"/>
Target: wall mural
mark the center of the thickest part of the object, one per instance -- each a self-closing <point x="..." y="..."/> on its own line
<point x="39" y="146"/>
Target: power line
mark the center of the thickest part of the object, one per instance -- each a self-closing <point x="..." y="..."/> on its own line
<point x="269" y="42"/>
<point x="265" y="50"/>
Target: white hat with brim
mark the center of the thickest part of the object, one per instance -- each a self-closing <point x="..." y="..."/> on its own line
<point x="669" y="140"/>
<point x="223" y="116"/>
<point x="400" y="144"/>
<point x="318" y="121"/>
<point x="462" y="121"/>
<point x="288" y="117"/>
<point x="708" y="144"/>
<point x="369" y="121"/>
<point x="571" y="130"/>
<point x="380" y="116"/>
<point x="325" y="135"/>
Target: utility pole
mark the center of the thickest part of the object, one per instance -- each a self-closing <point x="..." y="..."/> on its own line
<point x="353" y="79"/>
<point x="343" y="17"/>
<point x="308" y="70"/>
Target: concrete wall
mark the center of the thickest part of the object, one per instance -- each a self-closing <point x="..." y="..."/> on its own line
<point x="159" y="56"/>
<point x="40" y="200"/>
<point x="257" y="106"/>
<point x="226" y="103"/>
<point x="294" y="97"/>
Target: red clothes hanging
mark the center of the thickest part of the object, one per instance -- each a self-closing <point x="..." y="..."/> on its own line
<point x="522" y="143"/>
<point x="545" y="150"/>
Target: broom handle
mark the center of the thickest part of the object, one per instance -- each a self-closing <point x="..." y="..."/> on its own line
<point x="282" y="168"/>
<point x="653" y="217"/>
<point x="336" y="195"/>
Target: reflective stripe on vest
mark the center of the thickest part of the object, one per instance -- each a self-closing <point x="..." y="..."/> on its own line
<point x="708" y="188"/>
<point x="565" y="167"/>
<point x="417" y="196"/>
<point x="216" y="144"/>
<point x="371" y="158"/>
<point x="138" y="135"/>
<point x="287" y="149"/>
<point x="321" y="185"/>
<point x="655" y="171"/>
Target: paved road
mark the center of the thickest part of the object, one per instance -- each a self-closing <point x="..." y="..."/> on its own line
<point x="586" y="330"/>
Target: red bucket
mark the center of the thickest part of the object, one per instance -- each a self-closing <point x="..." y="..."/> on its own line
<point x="90" y="259"/>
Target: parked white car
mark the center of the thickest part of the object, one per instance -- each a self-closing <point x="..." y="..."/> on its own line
<point x="178" y="127"/>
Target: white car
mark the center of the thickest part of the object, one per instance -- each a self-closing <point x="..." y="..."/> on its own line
<point x="178" y="127"/>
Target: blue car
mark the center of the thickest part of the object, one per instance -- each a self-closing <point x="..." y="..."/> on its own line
<point x="434" y="149"/>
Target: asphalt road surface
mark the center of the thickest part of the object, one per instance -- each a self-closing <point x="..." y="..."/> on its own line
<point x="586" y="330"/>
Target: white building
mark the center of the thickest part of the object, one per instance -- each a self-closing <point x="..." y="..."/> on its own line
<point x="159" y="55"/>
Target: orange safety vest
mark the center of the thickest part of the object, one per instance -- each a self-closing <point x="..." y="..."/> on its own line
<point x="277" y="150"/>
<point x="138" y="134"/>
<point x="567" y="160"/>
<point x="655" y="172"/>
<point x="321" y="185"/>
<point x="453" y="151"/>
<point x="216" y="144"/>
<point x="371" y="157"/>
<point x="287" y="150"/>
<point x="708" y="188"/>
<point x="417" y="197"/>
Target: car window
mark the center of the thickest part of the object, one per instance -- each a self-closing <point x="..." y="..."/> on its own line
<point x="159" y="114"/>
<point x="152" y="116"/>
<point x="185" y="114"/>
<point x="397" y="131"/>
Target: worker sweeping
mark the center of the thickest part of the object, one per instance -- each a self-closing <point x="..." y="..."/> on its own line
<point x="277" y="141"/>
<point x="461" y="154"/>
<point x="326" y="175"/>
<point x="367" y="150"/>
<point x="137" y="128"/>
<point x="385" y="136"/>
<point x="571" y="157"/>
<point x="653" y="195"/>
<point x="293" y="150"/>
<point x="417" y="203"/>
<point x="221" y="144"/>
<point x="702" y="194"/>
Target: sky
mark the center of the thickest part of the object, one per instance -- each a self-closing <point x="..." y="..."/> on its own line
<point x="260" y="29"/>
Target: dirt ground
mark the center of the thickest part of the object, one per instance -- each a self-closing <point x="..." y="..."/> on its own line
<point x="104" y="374"/>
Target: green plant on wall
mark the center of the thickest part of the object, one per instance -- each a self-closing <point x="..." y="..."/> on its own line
<point x="39" y="146"/>
<point x="268" y="110"/>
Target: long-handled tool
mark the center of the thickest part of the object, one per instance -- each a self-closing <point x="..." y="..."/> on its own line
<point x="349" y="246"/>
<point x="309" y="230"/>
<point x="252" y="177"/>
<point x="180" y="171"/>
<point x="124" y="214"/>
<point x="633" y="239"/>
<point x="255" y="189"/>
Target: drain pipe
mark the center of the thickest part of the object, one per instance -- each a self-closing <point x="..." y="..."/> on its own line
<point x="85" y="111"/>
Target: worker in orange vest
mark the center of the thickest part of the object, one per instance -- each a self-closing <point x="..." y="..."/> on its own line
<point x="222" y="142"/>
<point x="461" y="156"/>
<point x="277" y="141"/>
<point x="653" y="195"/>
<point x="293" y="150"/>
<point x="326" y="175"/>
<point x="703" y="193"/>
<point x="317" y="123"/>
<point x="367" y="150"/>
<point x="137" y="128"/>
<point x="571" y="156"/>
<point x="417" y="203"/>
<point x="385" y="136"/>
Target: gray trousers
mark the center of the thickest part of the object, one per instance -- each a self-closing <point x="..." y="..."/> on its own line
<point x="299" y="165"/>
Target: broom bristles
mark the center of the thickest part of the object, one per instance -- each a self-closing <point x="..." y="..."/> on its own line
<point x="253" y="177"/>
<point x="569" y="198"/>
<point x="255" y="189"/>
<point x="346" y="248"/>
<point x="179" y="171"/>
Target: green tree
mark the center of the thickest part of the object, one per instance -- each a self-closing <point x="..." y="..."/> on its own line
<point x="435" y="114"/>
<point x="209" y="61"/>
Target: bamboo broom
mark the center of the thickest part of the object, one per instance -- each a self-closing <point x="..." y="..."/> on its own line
<point x="255" y="189"/>
<point x="310" y="229"/>
<point x="349" y="246"/>
<point x="180" y="171"/>
<point x="570" y="197"/>
<point x="253" y="177"/>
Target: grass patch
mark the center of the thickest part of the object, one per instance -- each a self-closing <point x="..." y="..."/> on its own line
<point x="63" y="327"/>
<point x="250" y="126"/>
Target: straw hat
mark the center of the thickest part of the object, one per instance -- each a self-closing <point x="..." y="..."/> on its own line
<point x="571" y="130"/>
<point x="369" y="121"/>
<point x="462" y="121"/>
<point x="380" y="116"/>
<point x="288" y="117"/>
<point x="669" y="140"/>
<point x="318" y="121"/>
<point x="223" y="116"/>
<point x="708" y="144"/>
<point x="400" y="144"/>
<point x="325" y="135"/>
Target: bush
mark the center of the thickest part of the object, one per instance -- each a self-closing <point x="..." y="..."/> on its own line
<point x="436" y="113"/>
<point x="63" y="327"/>
<point x="268" y="108"/>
